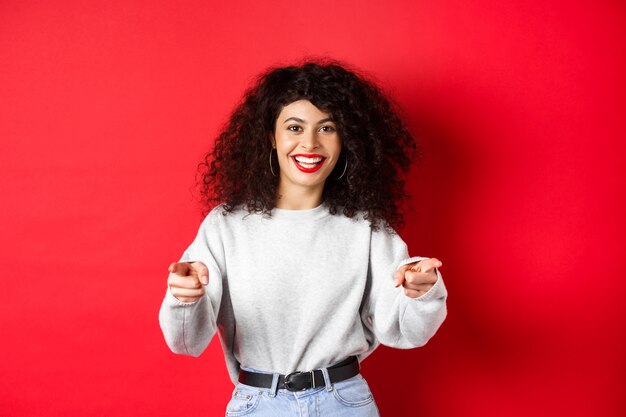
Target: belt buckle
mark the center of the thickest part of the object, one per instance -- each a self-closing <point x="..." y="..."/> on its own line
<point x="297" y="381"/>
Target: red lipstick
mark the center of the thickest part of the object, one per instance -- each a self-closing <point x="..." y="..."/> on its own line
<point x="309" y="167"/>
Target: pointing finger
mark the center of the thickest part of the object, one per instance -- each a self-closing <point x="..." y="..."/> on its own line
<point x="430" y="264"/>
<point x="179" y="268"/>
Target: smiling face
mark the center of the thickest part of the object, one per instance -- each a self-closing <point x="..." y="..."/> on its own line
<point x="308" y="147"/>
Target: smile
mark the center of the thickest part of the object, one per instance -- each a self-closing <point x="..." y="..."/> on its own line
<point x="308" y="163"/>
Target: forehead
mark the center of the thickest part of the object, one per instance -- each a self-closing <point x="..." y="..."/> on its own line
<point x="304" y="109"/>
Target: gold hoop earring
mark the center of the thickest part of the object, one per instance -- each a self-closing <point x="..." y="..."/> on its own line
<point x="271" y="168"/>
<point x="345" y="167"/>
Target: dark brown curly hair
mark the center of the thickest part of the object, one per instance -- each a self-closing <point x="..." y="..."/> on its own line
<point x="376" y="143"/>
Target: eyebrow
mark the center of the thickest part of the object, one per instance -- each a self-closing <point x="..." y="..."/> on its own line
<point x="297" y="119"/>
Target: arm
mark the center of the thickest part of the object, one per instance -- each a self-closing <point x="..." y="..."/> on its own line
<point x="189" y="326"/>
<point x="396" y="319"/>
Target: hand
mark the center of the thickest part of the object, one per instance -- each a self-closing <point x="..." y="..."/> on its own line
<point x="187" y="280"/>
<point x="417" y="278"/>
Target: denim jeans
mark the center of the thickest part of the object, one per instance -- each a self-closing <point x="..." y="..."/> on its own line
<point x="348" y="398"/>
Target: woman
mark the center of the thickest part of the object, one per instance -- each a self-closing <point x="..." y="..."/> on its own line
<point x="298" y="267"/>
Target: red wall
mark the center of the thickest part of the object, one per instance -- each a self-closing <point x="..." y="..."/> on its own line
<point x="107" y="107"/>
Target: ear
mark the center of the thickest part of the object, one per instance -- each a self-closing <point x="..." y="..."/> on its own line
<point x="272" y="140"/>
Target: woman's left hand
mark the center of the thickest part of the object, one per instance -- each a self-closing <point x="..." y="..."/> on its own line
<point x="417" y="278"/>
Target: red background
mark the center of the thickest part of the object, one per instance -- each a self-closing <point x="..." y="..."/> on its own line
<point x="107" y="107"/>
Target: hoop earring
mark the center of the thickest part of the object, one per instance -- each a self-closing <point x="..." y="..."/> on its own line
<point x="271" y="168"/>
<point x="345" y="167"/>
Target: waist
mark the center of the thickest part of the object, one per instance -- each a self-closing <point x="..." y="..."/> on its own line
<point x="301" y="380"/>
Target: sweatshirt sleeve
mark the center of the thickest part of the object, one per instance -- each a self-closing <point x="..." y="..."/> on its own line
<point x="396" y="319"/>
<point x="188" y="327"/>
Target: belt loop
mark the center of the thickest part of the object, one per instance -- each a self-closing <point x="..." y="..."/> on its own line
<point x="329" y="385"/>
<point x="274" y="387"/>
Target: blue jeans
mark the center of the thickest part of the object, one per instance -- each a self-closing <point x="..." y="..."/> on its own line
<point x="348" y="398"/>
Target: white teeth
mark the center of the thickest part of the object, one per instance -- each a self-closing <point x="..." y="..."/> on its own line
<point x="309" y="160"/>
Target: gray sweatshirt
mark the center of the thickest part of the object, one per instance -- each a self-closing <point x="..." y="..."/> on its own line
<point x="298" y="291"/>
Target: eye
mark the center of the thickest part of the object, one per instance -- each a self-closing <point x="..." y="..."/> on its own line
<point x="294" y="128"/>
<point x="327" y="128"/>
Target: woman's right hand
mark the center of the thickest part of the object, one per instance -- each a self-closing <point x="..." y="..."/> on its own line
<point x="187" y="280"/>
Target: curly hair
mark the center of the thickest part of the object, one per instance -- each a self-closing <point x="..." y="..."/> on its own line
<point x="377" y="144"/>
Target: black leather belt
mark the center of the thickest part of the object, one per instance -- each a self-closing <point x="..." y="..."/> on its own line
<point x="298" y="381"/>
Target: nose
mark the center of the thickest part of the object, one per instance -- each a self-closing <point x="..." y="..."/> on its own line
<point x="309" y="142"/>
<point x="309" y="147"/>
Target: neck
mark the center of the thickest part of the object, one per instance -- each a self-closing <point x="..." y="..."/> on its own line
<point x="299" y="198"/>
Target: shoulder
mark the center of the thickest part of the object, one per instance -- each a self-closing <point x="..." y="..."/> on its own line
<point x="361" y="218"/>
<point x="223" y="214"/>
<point x="354" y="224"/>
<point x="220" y="213"/>
<point x="215" y="214"/>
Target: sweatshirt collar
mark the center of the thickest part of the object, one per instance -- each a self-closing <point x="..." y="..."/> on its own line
<point x="306" y="214"/>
